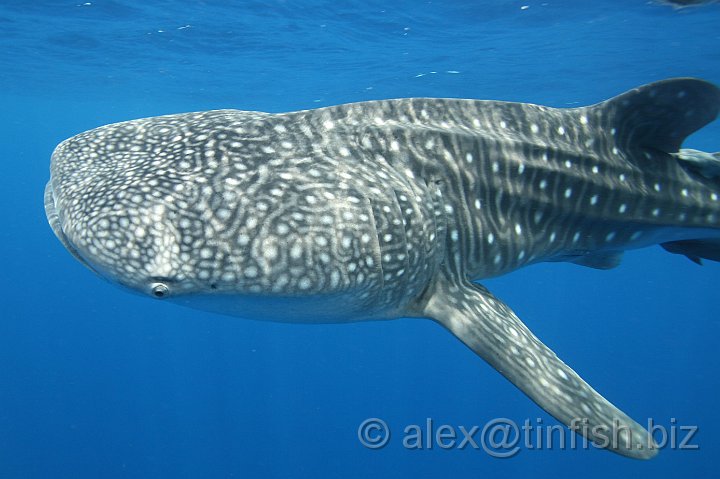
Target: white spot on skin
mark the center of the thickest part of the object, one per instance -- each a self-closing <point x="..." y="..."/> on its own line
<point x="622" y="209"/>
<point x="334" y="279"/>
<point x="469" y="157"/>
<point x="534" y="128"/>
<point x="344" y="151"/>
<point x="503" y="124"/>
<point x="518" y="228"/>
<point x="684" y="192"/>
<point x="568" y="193"/>
<point x="594" y="199"/>
<point x="543" y="184"/>
<point x="477" y="204"/>
<point x="656" y="212"/>
<point x="561" y="130"/>
<point x="595" y="169"/>
<point x="713" y="196"/>
<point x="576" y="237"/>
<point x="584" y="120"/>
<point x="251" y="272"/>
<point x="490" y="238"/>
<point x="657" y="187"/>
<point x="296" y="251"/>
<point x="270" y="252"/>
<point x="610" y="236"/>
<point x="552" y="237"/>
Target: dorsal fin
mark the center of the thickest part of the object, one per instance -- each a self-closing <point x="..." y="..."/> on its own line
<point x="661" y="115"/>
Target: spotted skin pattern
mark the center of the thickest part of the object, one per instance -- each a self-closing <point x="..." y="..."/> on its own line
<point x="392" y="208"/>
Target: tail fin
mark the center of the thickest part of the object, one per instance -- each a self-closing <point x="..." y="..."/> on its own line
<point x="661" y="115"/>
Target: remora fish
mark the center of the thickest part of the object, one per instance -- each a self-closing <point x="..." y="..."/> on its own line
<point x="393" y="208"/>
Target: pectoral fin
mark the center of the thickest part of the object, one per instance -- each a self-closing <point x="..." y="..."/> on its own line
<point x="495" y="333"/>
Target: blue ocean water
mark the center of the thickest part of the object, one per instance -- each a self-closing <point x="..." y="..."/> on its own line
<point x="95" y="382"/>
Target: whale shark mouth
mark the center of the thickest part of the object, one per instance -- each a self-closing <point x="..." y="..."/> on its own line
<point x="56" y="224"/>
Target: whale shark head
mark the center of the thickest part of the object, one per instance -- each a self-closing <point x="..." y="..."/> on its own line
<point x="201" y="209"/>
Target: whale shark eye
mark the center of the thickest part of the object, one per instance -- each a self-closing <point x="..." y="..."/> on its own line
<point x="159" y="290"/>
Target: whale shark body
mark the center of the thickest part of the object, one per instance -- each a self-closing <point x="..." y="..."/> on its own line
<point x="393" y="208"/>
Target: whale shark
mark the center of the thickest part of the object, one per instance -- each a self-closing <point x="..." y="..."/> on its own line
<point x="396" y="209"/>
<point x="680" y="4"/>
